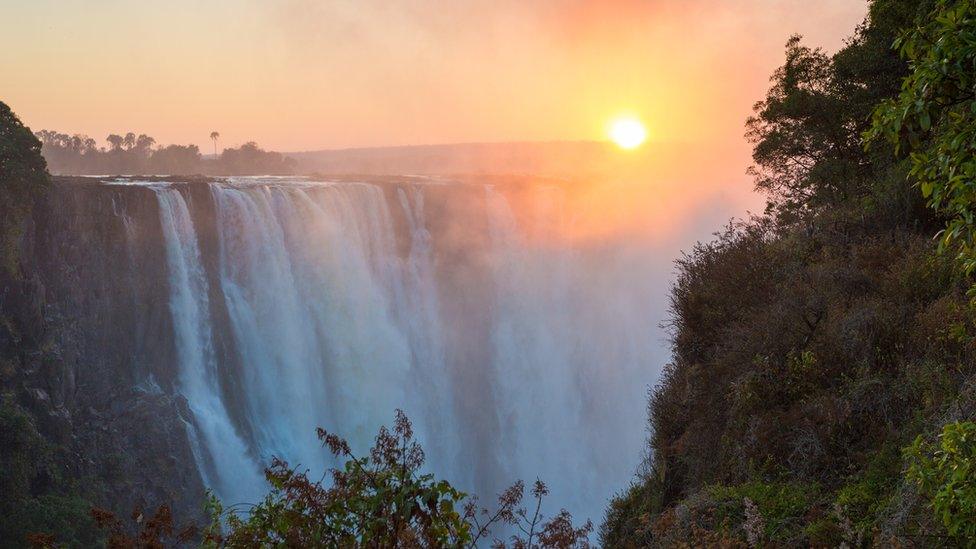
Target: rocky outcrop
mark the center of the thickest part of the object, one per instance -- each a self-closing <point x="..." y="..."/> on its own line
<point x="90" y="353"/>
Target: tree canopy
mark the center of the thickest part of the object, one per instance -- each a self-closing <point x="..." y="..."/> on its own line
<point x="134" y="154"/>
<point x="23" y="172"/>
<point x="21" y="163"/>
<point x="933" y="118"/>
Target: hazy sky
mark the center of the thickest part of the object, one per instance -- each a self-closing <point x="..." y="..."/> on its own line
<point x="309" y="74"/>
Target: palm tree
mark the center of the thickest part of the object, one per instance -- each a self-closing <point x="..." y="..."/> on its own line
<point x="215" y="136"/>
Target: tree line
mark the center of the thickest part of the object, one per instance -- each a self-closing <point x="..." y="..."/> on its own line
<point x="139" y="154"/>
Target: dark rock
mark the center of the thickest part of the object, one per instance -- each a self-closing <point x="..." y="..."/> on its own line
<point x="88" y="345"/>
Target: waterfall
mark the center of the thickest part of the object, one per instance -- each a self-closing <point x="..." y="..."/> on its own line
<point x="220" y="452"/>
<point x="515" y="355"/>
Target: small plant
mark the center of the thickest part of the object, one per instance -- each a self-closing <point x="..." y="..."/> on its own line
<point x="754" y="525"/>
<point x="767" y="511"/>
<point x="945" y="472"/>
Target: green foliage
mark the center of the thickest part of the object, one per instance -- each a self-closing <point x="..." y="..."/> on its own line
<point x="865" y="498"/>
<point x="934" y="118"/>
<point x="806" y="132"/>
<point x="378" y="499"/>
<point x="945" y="472"/>
<point x="23" y="172"/>
<point x="21" y="163"/>
<point x="781" y="505"/>
<point x="65" y="518"/>
<point x="382" y="500"/>
<point x="35" y="496"/>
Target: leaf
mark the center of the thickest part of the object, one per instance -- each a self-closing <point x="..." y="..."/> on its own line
<point x="924" y="120"/>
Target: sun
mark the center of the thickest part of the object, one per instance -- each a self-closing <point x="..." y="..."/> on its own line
<point x="627" y="133"/>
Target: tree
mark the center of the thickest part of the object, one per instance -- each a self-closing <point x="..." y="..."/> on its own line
<point x="382" y="500"/>
<point x="129" y="140"/>
<point x="934" y="119"/>
<point x="21" y="163"/>
<point x="214" y="136"/>
<point x="23" y="172"/>
<point x="805" y="153"/>
<point x="807" y="131"/>
<point x="144" y="143"/>
<point x="249" y="158"/>
<point x="115" y="141"/>
<point x="175" y="159"/>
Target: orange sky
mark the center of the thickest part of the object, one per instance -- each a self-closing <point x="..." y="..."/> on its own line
<point x="311" y="74"/>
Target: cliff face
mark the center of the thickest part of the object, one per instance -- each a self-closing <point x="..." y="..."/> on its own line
<point x="94" y="346"/>
<point x="97" y="362"/>
<point x="177" y="335"/>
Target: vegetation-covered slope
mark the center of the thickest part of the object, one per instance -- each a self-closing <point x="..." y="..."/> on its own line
<point x="812" y="344"/>
<point x="78" y="334"/>
<point x="37" y="495"/>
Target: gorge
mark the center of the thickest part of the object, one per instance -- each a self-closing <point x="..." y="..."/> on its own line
<point x="242" y="313"/>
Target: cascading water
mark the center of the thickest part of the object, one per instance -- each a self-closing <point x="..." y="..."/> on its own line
<point x="220" y="452"/>
<point x="516" y="354"/>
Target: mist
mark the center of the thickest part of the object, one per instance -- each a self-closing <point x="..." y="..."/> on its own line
<point x="520" y="340"/>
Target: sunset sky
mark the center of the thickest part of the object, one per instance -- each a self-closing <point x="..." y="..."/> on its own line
<point x="312" y="74"/>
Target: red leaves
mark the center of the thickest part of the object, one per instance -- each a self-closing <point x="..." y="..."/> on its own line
<point x="153" y="534"/>
<point x="382" y="500"/>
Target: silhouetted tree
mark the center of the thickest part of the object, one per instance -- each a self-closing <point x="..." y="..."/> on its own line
<point x="175" y="159"/>
<point x="249" y="158"/>
<point x="115" y="141"/>
<point x="144" y="143"/>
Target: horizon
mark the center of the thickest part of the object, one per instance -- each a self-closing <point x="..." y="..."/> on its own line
<point x="301" y="76"/>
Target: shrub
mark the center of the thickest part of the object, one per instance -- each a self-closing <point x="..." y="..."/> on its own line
<point x="934" y="117"/>
<point x="628" y="519"/>
<point x="771" y="511"/>
<point x="861" y="502"/>
<point x="35" y="497"/>
<point x="945" y="473"/>
<point x="382" y="500"/>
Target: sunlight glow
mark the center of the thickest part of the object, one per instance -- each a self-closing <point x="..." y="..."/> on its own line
<point x="628" y="133"/>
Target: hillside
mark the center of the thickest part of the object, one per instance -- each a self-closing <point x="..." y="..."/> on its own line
<point x="813" y="344"/>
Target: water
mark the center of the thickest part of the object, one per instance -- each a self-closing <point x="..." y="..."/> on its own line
<point x="516" y="353"/>
<point x="219" y="450"/>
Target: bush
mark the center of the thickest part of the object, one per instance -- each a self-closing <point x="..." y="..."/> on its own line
<point x="934" y="118"/>
<point x="945" y="473"/>
<point x="628" y="519"/>
<point x="863" y="500"/>
<point x="35" y="497"/>
<point x="382" y="500"/>
<point x="772" y="511"/>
